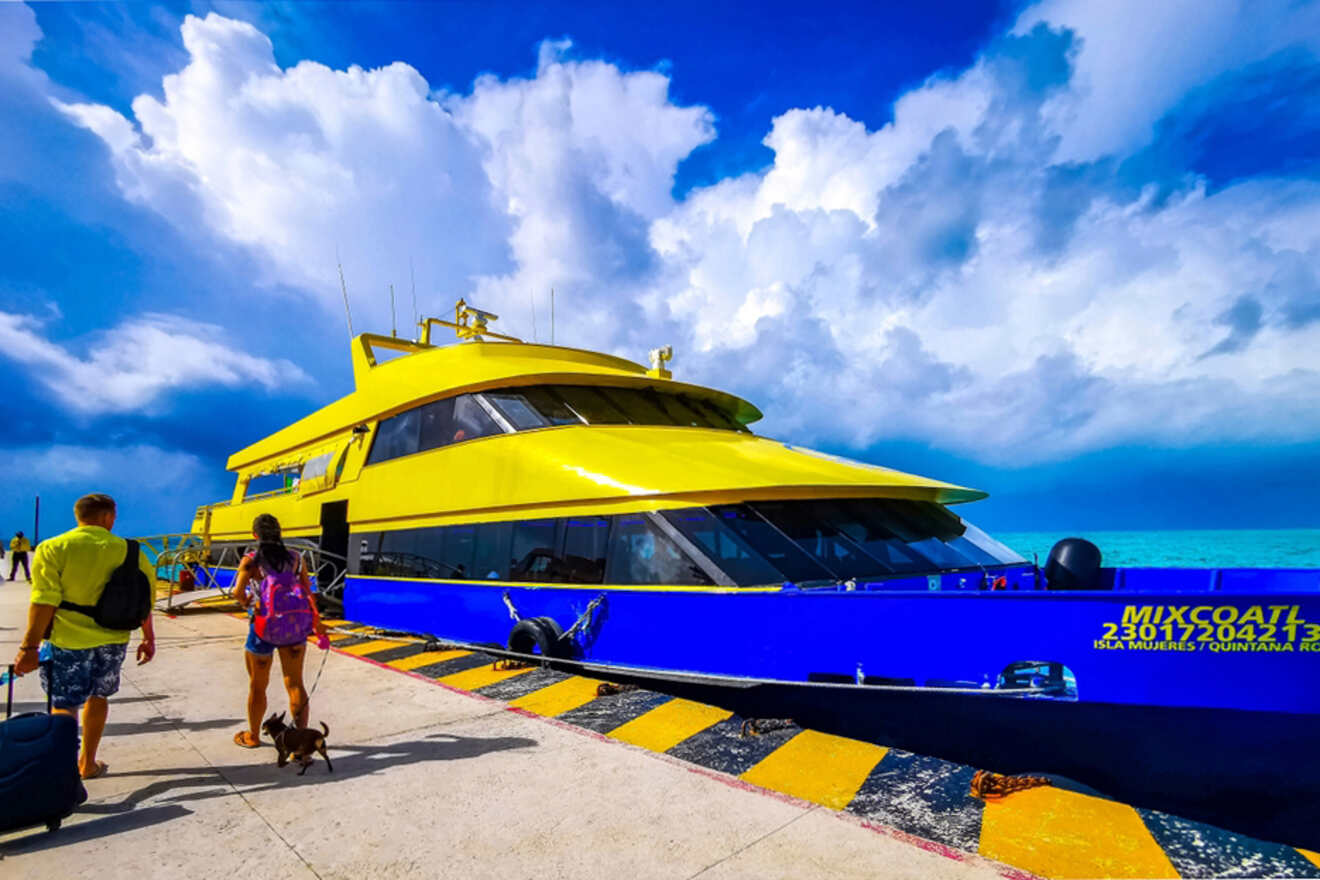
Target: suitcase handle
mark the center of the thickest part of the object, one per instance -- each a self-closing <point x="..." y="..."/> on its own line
<point x="9" y="694"/>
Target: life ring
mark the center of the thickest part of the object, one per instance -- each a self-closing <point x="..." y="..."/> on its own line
<point x="537" y="635"/>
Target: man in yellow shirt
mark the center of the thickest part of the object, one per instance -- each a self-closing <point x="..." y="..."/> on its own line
<point x="85" y="657"/>
<point x="18" y="551"/>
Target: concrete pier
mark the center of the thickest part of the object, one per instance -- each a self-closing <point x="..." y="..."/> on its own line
<point x="427" y="782"/>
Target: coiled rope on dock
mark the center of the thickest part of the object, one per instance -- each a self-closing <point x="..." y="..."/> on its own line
<point x="992" y="786"/>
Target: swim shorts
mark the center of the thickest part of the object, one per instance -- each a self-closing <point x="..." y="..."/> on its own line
<point x="74" y="675"/>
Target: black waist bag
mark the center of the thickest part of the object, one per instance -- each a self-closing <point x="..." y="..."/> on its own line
<point x="126" y="600"/>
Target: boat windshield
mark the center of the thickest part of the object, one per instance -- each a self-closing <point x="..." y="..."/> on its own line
<point x="541" y="406"/>
<point x="456" y="419"/>
<point x="752" y="544"/>
<point x="803" y="541"/>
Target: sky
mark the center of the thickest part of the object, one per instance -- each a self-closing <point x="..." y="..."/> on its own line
<point x="1065" y="252"/>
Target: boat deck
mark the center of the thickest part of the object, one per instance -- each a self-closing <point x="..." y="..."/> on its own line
<point x="522" y="771"/>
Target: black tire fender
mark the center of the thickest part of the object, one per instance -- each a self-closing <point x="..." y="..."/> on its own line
<point x="536" y="635"/>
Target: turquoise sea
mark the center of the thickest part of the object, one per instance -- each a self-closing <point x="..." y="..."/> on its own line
<point x="1238" y="548"/>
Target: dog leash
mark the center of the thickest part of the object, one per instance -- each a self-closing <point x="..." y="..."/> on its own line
<point x="324" y="656"/>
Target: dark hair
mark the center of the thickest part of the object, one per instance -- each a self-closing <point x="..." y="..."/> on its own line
<point x="271" y="553"/>
<point x="92" y="506"/>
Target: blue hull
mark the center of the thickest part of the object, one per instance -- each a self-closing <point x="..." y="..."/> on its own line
<point x="1188" y="691"/>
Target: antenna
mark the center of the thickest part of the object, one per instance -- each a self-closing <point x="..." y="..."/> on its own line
<point x="531" y="295"/>
<point x="394" y="322"/>
<point x="344" y="287"/>
<point x="412" y="276"/>
<point x="552" y="316"/>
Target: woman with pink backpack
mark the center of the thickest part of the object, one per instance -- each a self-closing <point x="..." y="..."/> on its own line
<point x="273" y="586"/>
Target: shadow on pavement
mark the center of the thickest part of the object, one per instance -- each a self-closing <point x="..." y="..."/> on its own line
<point x="162" y="724"/>
<point x="350" y="762"/>
<point x="105" y="826"/>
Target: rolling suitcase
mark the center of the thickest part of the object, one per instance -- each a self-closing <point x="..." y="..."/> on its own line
<point x="39" y="782"/>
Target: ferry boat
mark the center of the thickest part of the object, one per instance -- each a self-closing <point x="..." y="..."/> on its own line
<point x="605" y="517"/>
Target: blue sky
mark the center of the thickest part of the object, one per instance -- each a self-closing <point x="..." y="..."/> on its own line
<point x="1065" y="252"/>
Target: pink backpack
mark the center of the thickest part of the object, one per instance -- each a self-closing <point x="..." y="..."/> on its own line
<point x="284" y="607"/>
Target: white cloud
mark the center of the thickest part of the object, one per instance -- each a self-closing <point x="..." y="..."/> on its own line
<point x="956" y="277"/>
<point x="141" y="360"/>
<point x="155" y="489"/>
<point x="1136" y="59"/>
<point x="72" y="465"/>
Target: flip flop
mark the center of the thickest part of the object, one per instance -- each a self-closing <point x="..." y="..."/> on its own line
<point x="101" y="769"/>
<point x="241" y="740"/>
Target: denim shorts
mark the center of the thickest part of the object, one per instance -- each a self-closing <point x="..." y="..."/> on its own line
<point x="256" y="644"/>
<point x="74" y="675"/>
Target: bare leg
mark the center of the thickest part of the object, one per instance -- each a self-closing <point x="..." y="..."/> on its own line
<point x="94" y="714"/>
<point x="258" y="668"/>
<point x="291" y="666"/>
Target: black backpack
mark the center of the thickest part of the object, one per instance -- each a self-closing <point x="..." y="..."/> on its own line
<point x="126" y="600"/>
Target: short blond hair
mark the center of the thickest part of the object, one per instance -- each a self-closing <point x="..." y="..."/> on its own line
<point x="94" y="506"/>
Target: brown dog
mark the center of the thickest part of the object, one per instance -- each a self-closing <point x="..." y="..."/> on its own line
<point x="297" y="743"/>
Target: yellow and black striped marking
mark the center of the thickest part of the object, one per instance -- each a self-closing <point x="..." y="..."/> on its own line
<point x="1059" y="831"/>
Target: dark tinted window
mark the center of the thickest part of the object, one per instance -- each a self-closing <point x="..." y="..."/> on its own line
<point x="395" y="437"/>
<point x="534" y="554"/>
<point x="430" y="426"/>
<point x="593" y="406"/>
<point x="638" y="406"/>
<point x="922" y="530"/>
<point x="641" y="554"/>
<point x="550" y="405"/>
<point x="784" y="555"/>
<point x="491" y="560"/>
<point x="718" y="417"/>
<point x="860" y="522"/>
<point x="584" y="549"/>
<point x="520" y="412"/>
<point x="471" y="420"/>
<point x="460" y="549"/>
<point x="724" y="547"/>
<point x="804" y="526"/>
<point x="411" y="553"/>
<point x="680" y="412"/>
<point x="437" y="423"/>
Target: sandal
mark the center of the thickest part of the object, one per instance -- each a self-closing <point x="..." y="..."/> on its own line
<point x="241" y="740"/>
<point x="101" y="769"/>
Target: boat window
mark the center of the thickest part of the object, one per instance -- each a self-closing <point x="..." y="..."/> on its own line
<point x="921" y="530"/>
<point x="396" y="436"/>
<point x="315" y="467"/>
<point x="534" y="555"/>
<point x="793" y="564"/>
<point x="270" y="484"/>
<point x="454" y="420"/>
<point x="680" y="412"/>
<point x="459" y="550"/>
<point x="1000" y="552"/>
<point x="491" y="561"/>
<point x="724" y="547"/>
<point x="637" y="407"/>
<point x="804" y="525"/>
<point x="585" y="538"/>
<point x="866" y="528"/>
<point x="593" y="406"/>
<point x="437" y="427"/>
<point x="718" y="417"/>
<point x="410" y="553"/>
<point x="551" y="406"/>
<point x="641" y="554"/>
<point x="518" y="410"/>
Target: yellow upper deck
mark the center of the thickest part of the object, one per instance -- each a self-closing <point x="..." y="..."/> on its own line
<point x="424" y="372"/>
<point x="570" y="467"/>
